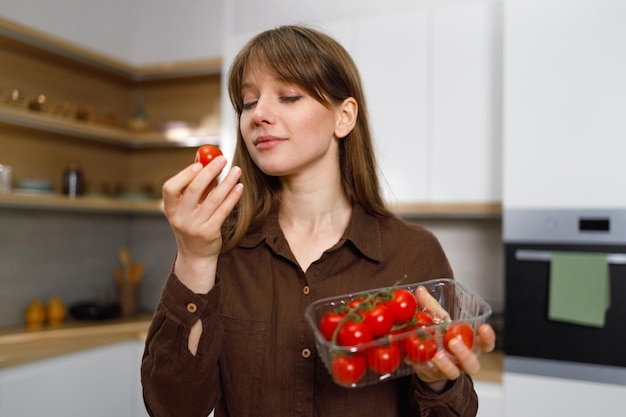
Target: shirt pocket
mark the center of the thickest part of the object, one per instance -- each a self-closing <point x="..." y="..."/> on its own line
<point x="241" y="364"/>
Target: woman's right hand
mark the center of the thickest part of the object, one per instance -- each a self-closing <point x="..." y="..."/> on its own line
<point x="196" y="219"/>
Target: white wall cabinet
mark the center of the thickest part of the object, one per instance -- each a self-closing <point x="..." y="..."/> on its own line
<point x="100" y="382"/>
<point x="465" y="109"/>
<point x="432" y="78"/>
<point x="564" y="104"/>
<point x="391" y="53"/>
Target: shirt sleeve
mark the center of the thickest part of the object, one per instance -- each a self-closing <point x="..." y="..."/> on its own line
<point x="458" y="399"/>
<point x="173" y="379"/>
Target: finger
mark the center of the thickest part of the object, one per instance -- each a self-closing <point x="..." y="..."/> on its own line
<point x="229" y="203"/>
<point x="467" y="360"/>
<point x="221" y="201"/>
<point x="219" y="193"/>
<point x="174" y="186"/>
<point x="196" y="188"/>
<point x="426" y="371"/>
<point x="426" y="301"/>
<point x="487" y="338"/>
<point x="446" y="366"/>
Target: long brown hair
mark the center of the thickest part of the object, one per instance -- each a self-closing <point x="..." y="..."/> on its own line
<point x="319" y="64"/>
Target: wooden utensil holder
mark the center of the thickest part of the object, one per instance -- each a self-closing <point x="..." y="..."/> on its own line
<point x="128" y="294"/>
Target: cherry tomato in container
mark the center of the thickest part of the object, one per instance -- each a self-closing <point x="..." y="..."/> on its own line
<point x="424" y="321"/>
<point x="403" y="304"/>
<point x="329" y="323"/>
<point x="354" y="333"/>
<point x="459" y="330"/>
<point x="384" y="359"/>
<point x="420" y="346"/>
<point x="206" y="153"/>
<point x="348" y="369"/>
<point x="353" y="304"/>
<point x="380" y="318"/>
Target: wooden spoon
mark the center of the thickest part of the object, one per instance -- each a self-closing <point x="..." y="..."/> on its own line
<point x="136" y="273"/>
<point x="124" y="257"/>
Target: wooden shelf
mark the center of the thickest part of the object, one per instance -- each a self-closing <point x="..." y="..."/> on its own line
<point x="100" y="133"/>
<point x="60" y="202"/>
<point x="88" y="204"/>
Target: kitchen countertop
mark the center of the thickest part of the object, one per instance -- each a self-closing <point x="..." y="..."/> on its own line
<point x="20" y="345"/>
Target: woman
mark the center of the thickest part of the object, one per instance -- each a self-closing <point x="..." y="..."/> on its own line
<point x="229" y="331"/>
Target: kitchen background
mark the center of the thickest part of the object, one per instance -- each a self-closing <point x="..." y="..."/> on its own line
<point x="481" y="109"/>
<point x="435" y="112"/>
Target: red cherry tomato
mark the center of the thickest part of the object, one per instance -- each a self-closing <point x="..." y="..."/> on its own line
<point x="348" y="370"/>
<point x="380" y="319"/>
<point x="352" y="304"/>
<point x="329" y="323"/>
<point x="354" y="333"/>
<point x="384" y="359"/>
<point x="403" y="304"/>
<point x="420" y="346"/>
<point x="206" y="153"/>
<point x="458" y="330"/>
<point x="424" y="319"/>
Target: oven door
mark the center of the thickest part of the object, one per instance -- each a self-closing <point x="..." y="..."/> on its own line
<point x="530" y="333"/>
<point x="533" y="343"/>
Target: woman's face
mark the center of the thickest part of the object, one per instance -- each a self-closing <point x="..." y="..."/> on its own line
<point x="286" y="131"/>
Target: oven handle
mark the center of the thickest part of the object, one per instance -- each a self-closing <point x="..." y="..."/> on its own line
<point x="546" y="256"/>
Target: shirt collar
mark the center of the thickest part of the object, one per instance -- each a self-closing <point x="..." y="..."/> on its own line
<point x="363" y="233"/>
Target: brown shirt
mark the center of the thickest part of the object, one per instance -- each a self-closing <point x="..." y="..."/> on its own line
<point x="257" y="355"/>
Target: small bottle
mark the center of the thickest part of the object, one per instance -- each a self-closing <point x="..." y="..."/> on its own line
<point x="55" y="311"/>
<point x="35" y="314"/>
<point x="73" y="181"/>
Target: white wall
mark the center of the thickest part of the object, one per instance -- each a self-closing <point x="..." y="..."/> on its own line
<point x="475" y="252"/>
<point x="106" y="27"/>
<point x="182" y="30"/>
<point x="254" y="15"/>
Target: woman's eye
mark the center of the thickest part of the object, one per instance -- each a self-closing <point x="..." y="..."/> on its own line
<point x="248" y="105"/>
<point x="290" y="99"/>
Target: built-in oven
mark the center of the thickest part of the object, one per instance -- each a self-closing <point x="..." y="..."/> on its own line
<point x="536" y="341"/>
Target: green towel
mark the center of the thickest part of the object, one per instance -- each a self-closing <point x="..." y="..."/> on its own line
<point x="579" y="288"/>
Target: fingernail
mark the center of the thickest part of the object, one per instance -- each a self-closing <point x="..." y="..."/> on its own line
<point x="197" y="166"/>
<point x="440" y="358"/>
<point x="455" y="344"/>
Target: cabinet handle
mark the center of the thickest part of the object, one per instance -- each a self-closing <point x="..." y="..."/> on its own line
<point x="546" y="256"/>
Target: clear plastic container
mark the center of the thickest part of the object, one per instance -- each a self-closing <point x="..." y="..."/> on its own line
<point x="455" y="303"/>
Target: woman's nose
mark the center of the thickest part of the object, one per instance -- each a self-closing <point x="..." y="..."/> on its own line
<point x="262" y="112"/>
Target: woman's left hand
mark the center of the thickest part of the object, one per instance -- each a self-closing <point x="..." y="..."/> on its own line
<point x="449" y="366"/>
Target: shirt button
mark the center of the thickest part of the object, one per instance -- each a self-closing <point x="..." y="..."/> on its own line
<point x="306" y="353"/>
<point x="306" y="290"/>
<point x="192" y="308"/>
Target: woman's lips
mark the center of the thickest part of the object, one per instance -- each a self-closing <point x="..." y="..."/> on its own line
<point x="267" y="142"/>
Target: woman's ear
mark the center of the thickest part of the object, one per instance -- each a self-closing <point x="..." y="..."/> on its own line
<point x="347" y="113"/>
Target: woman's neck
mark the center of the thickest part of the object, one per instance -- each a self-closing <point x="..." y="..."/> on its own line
<point x="313" y="208"/>
<point x="313" y="221"/>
